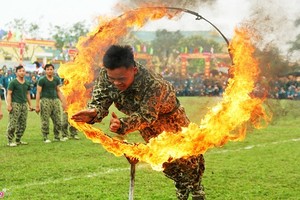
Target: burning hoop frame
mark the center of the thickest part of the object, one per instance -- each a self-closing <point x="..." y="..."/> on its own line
<point x="198" y="17"/>
<point x="236" y="108"/>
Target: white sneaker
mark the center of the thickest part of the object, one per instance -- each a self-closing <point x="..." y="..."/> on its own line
<point x="75" y="137"/>
<point x="47" y="141"/>
<point x="21" y="143"/>
<point x="12" y="144"/>
<point x="64" y="139"/>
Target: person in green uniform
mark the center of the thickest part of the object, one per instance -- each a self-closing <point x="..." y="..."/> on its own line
<point x="151" y="107"/>
<point x="18" y="96"/>
<point x="49" y="100"/>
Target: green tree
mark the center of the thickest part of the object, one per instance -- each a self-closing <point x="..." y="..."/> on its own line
<point x="76" y="31"/>
<point x="68" y="36"/>
<point x="295" y="45"/>
<point x="22" y="27"/>
<point x="60" y="35"/>
<point x="21" y="30"/>
<point x="165" y="46"/>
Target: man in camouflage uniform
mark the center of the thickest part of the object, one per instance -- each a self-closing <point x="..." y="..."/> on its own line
<point x="18" y="94"/>
<point x="151" y="107"/>
<point x="48" y="102"/>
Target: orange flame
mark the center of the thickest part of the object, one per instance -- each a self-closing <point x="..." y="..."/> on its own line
<point x="224" y="122"/>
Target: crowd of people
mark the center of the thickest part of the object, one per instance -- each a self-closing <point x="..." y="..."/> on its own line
<point x="285" y="87"/>
<point x="21" y="88"/>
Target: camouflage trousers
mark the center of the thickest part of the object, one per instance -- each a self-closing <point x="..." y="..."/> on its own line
<point x="17" y="121"/>
<point x="50" y="108"/>
<point x="187" y="174"/>
<point x="66" y="125"/>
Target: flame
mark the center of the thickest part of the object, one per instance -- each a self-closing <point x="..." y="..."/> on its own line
<point x="224" y="122"/>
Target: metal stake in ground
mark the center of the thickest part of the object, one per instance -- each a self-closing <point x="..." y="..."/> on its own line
<point x="133" y="162"/>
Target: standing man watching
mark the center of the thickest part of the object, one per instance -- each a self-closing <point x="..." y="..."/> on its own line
<point x="18" y="94"/>
<point x="48" y="99"/>
<point x="151" y="107"/>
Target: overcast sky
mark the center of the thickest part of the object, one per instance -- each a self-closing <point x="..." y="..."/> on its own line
<point x="225" y="14"/>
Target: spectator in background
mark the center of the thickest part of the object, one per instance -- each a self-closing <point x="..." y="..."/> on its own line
<point x="33" y="86"/>
<point x="1" y="77"/>
<point x="18" y="94"/>
<point x="290" y="93"/>
<point x="4" y="68"/>
<point x="1" y="90"/>
<point x="1" y="113"/>
<point x="48" y="101"/>
<point x="8" y="78"/>
<point x="297" y="93"/>
<point x="28" y="77"/>
<point x="1" y="83"/>
<point x="281" y="93"/>
<point x="38" y="68"/>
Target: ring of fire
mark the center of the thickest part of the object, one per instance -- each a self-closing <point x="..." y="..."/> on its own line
<point x="237" y="107"/>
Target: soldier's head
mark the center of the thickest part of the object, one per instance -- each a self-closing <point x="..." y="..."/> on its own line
<point x="20" y="71"/>
<point x="49" y="68"/>
<point x="120" y="66"/>
<point x="19" y="67"/>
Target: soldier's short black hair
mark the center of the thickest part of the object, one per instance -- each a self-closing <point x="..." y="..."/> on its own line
<point x="19" y="67"/>
<point x="118" y="56"/>
<point x="48" y="65"/>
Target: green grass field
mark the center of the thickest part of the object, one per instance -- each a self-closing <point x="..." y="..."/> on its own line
<point x="266" y="165"/>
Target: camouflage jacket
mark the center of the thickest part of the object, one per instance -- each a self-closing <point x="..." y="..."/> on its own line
<point x="146" y="103"/>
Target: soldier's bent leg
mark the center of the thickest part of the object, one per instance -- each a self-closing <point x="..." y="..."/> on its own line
<point x="187" y="174"/>
<point x="182" y="192"/>
<point x="198" y="192"/>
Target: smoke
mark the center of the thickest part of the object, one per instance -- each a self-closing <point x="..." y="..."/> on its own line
<point x="274" y="22"/>
<point x="188" y="4"/>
